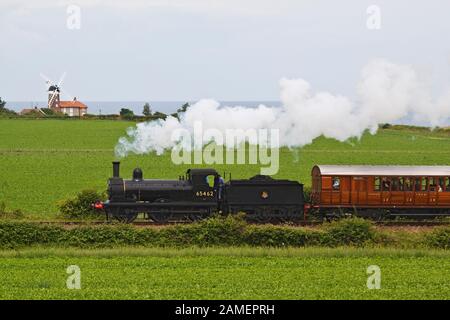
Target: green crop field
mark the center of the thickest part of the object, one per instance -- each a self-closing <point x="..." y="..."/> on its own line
<point x="224" y="273"/>
<point x="44" y="161"/>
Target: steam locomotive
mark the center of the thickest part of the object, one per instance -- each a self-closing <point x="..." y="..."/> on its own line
<point x="200" y="193"/>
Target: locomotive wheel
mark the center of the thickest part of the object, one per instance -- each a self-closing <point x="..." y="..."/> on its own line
<point x="127" y="218"/>
<point x="195" y="217"/>
<point x="163" y="215"/>
<point x="160" y="217"/>
<point x="124" y="216"/>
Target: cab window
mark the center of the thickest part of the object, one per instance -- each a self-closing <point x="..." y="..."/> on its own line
<point x="210" y="180"/>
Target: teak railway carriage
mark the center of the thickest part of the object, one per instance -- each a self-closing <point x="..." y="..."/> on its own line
<point x="381" y="190"/>
<point x="371" y="191"/>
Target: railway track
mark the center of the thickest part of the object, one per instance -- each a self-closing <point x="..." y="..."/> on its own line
<point x="297" y="223"/>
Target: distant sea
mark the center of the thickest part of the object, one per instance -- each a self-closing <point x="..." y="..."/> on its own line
<point x="113" y="107"/>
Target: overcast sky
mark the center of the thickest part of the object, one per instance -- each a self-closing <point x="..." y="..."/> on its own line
<point x="226" y="50"/>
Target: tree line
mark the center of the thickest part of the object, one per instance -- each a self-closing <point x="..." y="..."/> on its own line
<point x="3" y="110"/>
<point x="147" y="112"/>
<point x="125" y="113"/>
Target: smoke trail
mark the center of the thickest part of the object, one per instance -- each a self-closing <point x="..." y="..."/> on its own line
<point x="386" y="93"/>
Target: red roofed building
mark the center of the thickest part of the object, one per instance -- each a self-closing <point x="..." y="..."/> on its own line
<point x="73" y="108"/>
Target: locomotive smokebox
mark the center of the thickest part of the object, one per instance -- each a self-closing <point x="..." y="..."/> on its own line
<point x="116" y="169"/>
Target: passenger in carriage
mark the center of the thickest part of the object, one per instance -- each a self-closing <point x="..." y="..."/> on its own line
<point x="401" y="184"/>
<point x="386" y="184"/>
<point x="336" y="183"/>
<point x="407" y="185"/>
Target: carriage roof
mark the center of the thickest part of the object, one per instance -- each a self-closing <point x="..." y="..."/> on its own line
<point x="364" y="170"/>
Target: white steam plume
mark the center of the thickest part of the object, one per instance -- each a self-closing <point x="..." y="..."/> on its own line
<point x="386" y="93"/>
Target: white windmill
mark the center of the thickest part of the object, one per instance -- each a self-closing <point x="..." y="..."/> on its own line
<point x="54" y="90"/>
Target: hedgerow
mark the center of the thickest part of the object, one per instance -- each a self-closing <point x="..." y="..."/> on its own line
<point x="439" y="238"/>
<point x="9" y="214"/>
<point x="17" y="234"/>
<point x="281" y="236"/>
<point x="216" y="231"/>
<point x="80" y="206"/>
<point x="354" y="232"/>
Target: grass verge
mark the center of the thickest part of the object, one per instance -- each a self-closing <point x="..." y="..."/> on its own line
<point x="224" y="273"/>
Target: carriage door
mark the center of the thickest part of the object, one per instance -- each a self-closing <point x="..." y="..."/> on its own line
<point x="408" y="188"/>
<point x="359" y="194"/>
<point x="421" y="191"/>
<point x="397" y="191"/>
<point x="385" y="190"/>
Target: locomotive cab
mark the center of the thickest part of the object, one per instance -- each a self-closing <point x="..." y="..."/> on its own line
<point x="205" y="184"/>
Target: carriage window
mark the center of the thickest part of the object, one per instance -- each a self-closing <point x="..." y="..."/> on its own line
<point x="401" y="184"/>
<point x="395" y="184"/>
<point x="376" y="184"/>
<point x="336" y="183"/>
<point x="432" y="184"/>
<point x="385" y="184"/>
<point x="424" y="184"/>
<point x="441" y="184"/>
<point x="407" y="184"/>
<point x="417" y="184"/>
<point x="447" y="184"/>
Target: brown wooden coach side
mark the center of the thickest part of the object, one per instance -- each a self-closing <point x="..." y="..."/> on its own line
<point x="381" y="186"/>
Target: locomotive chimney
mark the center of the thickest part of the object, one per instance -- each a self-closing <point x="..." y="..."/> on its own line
<point x="116" y="169"/>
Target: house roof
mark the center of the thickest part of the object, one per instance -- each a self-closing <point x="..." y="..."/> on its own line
<point x="72" y="104"/>
<point x="383" y="170"/>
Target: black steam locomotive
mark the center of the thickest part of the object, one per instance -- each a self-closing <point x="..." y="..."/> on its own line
<point x="199" y="194"/>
